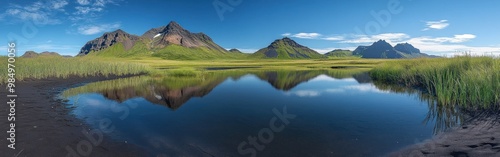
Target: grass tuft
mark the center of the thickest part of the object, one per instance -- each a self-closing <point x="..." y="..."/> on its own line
<point x="59" y="67"/>
<point x="465" y="81"/>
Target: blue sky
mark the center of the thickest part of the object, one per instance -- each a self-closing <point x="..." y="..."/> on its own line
<point x="435" y="27"/>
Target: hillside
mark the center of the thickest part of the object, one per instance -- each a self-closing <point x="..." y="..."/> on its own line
<point x="109" y="39"/>
<point x="339" y="53"/>
<point x="286" y="48"/>
<point x="33" y="54"/>
<point x="167" y="42"/>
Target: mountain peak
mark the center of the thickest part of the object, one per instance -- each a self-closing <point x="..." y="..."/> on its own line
<point x="407" y="48"/>
<point x="382" y="49"/>
<point x="285" y="41"/>
<point x="235" y="51"/>
<point x="287" y="48"/>
<point x="381" y="42"/>
<point x="118" y="31"/>
<point x="109" y="39"/>
<point x="174" y="26"/>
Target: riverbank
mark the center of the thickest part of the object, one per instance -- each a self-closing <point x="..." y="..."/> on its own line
<point x="478" y="136"/>
<point x="44" y="124"/>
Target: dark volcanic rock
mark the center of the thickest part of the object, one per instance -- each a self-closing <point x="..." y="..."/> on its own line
<point x="406" y="48"/>
<point x="173" y="33"/>
<point x="381" y="49"/>
<point x="109" y="39"/>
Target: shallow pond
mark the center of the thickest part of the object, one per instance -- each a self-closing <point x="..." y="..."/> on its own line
<point x="267" y="113"/>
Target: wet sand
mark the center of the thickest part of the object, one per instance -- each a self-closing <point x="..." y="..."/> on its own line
<point x="479" y="137"/>
<point x="45" y="126"/>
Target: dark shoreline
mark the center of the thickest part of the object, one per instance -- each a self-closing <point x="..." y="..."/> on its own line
<point x="479" y="135"/>
<point x="44" y="124"/>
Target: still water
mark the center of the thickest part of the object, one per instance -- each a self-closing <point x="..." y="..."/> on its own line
<point x="268" y="113"/>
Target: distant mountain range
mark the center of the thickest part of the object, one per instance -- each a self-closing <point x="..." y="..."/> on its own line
<point x="33" y="54"/>
<point x="382" y="49"/>
<point x="174" y="42"/>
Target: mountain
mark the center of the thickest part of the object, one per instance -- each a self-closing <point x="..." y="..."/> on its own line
<point x="33" y="54"/>
<point x="339" y="53"/>
<point x="167" y="42"/>
<point x="109" y="39"/>
<point x="235" y="51"/>
<point x="406" y="48"/>
<point x="382" y="49"/>
<point x="173" y="33"/>
<point x="30" y="54"/>
<point x="286" y="48"/>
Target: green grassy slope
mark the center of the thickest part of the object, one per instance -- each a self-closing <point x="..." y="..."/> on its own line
<point x="467" y="81"/>
<point x="282" y="50"/>
<point x="171" y="52"/>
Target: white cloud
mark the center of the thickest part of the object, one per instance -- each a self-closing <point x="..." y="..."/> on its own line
<point x="248" y="50"/>
<point x="313" y="36"/>
<point x="455" y="39"/>
<point x="449" y="45"/>
<point x="335" y="90"/>
<point x="389" y="37"/>
<point x="102" y="3"/>
<point x="334" y="38"/>
<point x="86" y="10"/>
<point x="95" y="29"/>
<point x="328" y="78"/>
<point x="305" y="93"/>
<point x="328" y="49"/>
<point x="442" y="24"/>
<point x="365" y="88"/>
<point x="40" y="13"/>
<point x="83" y="2"/>
<point x="307" y="35"/>
<point x="59" y="4"/>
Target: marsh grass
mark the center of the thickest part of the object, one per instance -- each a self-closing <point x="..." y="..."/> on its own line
<point x="59" y="67"/>
<point x="466" y="81"/>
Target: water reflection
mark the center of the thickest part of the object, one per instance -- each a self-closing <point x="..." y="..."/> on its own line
<point x="339" y="113"/>
<point x="175" y="91"/>
<point x="445" y="116"/>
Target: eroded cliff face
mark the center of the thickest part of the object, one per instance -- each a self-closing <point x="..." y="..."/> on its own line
<point x="173" y="33"/>
<point x="109" y="39"/>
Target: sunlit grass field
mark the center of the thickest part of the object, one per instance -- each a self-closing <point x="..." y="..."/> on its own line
<point x="466" y="81"/>
<point x="60" y="67"/>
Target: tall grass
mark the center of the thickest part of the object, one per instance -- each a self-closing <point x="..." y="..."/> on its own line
<point x="466" y="81"/>
<point x="45" y="67"/>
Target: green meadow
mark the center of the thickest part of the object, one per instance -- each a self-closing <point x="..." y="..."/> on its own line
<point x="465" y="81"/>
<point x="471" y="82"/>
<point x="60" y="67"/>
